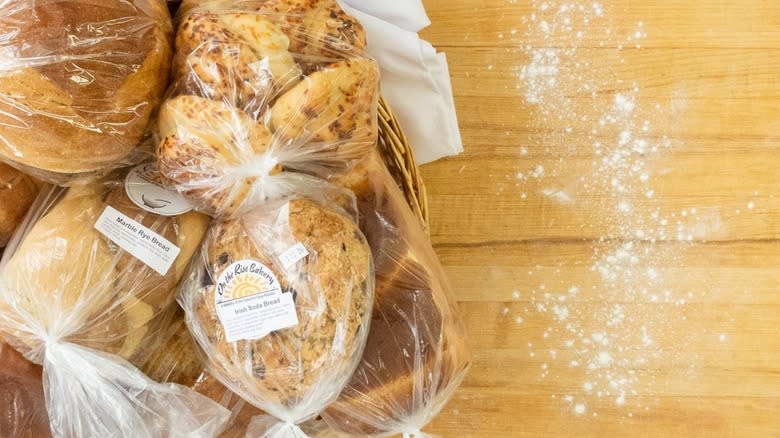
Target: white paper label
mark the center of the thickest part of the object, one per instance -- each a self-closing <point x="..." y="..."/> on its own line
<point x="293" y="255"/>
<point x="144" y="244"/>
<point x="143" y="188"/>
<point x="250" y="302"/>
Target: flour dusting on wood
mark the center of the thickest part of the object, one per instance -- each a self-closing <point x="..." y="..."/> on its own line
<point x="612" y="331"/>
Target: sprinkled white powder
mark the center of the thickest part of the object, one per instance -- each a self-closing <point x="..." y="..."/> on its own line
<point x="625" y="137"/>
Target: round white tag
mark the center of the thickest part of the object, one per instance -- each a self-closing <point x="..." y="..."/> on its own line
<point x="144" y="189"/>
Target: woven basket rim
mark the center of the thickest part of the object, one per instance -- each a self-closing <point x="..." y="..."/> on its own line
<point x="399" y="159"/>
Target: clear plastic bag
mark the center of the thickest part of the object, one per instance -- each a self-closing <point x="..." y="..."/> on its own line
<point x="79" y="82"/>
<point x="263" y="94"/>
<point x="22" y="405"/>
<point x="179" y="361"/>
<point x="416" y="354"/>
<point x="279" y="300"/>
<point x="86" y="286"/>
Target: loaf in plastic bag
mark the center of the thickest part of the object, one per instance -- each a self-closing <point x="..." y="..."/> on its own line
<point x="86" y="286"/>
<point x="264" y="93"/>
<point x="22" y="406"/>
<point x="79" y="82"/>
<point x="416" y="353"/>
<point x="17" y="193"/>
<point x="179" y="361"/>
<point x="279" y="300"/>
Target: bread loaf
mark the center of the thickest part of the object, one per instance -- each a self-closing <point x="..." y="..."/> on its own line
<point x="65" y="275"/>
<point x="319" y="30"/>
<point x="80" y="82"/>
<point x="415" y="354"/>
<point x="301" y="368"/>
<point x="17" y="192"/>
<point x="22" y="405"/>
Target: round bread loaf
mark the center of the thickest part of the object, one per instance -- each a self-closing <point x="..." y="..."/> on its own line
<point x="332" y="289"/>
<point x="68" y="279"/>
<point x="80" y="80"/>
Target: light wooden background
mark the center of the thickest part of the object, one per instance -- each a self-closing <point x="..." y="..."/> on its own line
<point x="716" y="64"/>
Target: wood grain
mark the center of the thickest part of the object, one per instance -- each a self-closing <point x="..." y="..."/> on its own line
<point x="713" y="368"/>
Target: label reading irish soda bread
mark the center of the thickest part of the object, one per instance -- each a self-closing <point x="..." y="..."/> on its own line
<point x="144" y="189"/>
<point x="142" y="242"/>
<point x="250" y="302"/>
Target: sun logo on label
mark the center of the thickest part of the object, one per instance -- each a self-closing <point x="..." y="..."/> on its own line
<point x="245" y="285"/>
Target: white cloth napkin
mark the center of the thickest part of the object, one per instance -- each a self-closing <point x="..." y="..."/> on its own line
<point x="415" y="79"/>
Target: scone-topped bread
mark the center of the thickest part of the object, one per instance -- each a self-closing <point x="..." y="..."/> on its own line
<point x="261" y="90"/>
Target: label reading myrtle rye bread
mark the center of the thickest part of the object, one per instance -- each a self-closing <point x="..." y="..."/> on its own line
<point x="144" y="188"/>
<point x="141" y="242"/>
<point x="250" y="302"/>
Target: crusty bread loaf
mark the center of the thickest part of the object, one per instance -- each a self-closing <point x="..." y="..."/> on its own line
<point x="80" y="81"/>
<point x="332" y="291"/>
<point x="17" y="192"/>
<point x="415" y="354"/>
<point x="64" y="275"/>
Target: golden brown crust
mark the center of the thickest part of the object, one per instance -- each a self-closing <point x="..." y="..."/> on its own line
<point x="17" y="193"/>
<point x="239" y="59"/>
<point x="331" y="292"/>
<point x="337" y="103"/>
<point x="320" y="31"/>
<point x="71" y="108"/>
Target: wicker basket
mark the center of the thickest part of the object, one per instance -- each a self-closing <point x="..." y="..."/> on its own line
<point x="399" y="159"/>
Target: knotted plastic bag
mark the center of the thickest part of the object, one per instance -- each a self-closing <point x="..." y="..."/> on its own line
<point x="416" y="353"/>
<point x="279" y="300"/>
<point x="86" y="286"/>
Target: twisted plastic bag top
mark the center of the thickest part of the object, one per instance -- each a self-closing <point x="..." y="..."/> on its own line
<point x="86" y="285"/>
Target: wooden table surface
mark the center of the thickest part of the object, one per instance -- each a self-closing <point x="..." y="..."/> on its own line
<point x="612" y="236"/>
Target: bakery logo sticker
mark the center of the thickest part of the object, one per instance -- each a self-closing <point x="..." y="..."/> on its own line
<point x="144" y="188"/>
<point x="250" y="302"/>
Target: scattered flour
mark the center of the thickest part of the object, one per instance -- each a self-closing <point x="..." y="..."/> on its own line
<point x="608" y="329"/>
